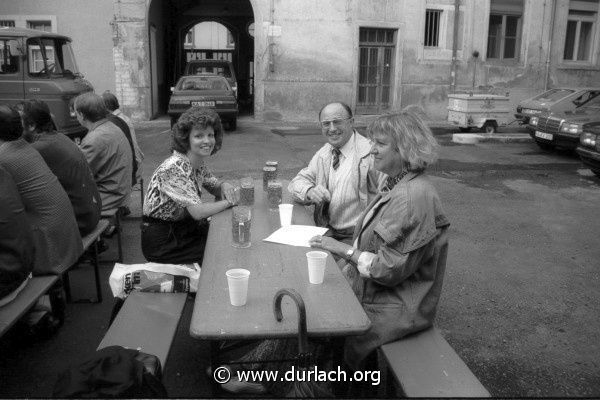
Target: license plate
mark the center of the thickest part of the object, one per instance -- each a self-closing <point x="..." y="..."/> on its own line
<point x="203" y="103"/>
<point x="544" y="135"/>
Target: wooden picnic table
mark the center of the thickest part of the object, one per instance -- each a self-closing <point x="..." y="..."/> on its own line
<point x="332" y="308"/>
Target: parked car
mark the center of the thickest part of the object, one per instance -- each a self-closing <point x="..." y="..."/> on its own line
<point x="589" y="147"/>
<point x="41" y="65"/>
<point x="219" y="67"/>
<point x="557" y="100"/>
<point x="563" y="129"/>
<point x="204" y="90"/>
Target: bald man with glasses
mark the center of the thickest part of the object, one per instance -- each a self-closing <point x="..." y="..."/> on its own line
<point x="340" y="179"/>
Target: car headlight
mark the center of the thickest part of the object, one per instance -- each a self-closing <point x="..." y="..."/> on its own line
<point x="533" y="121"/>
<point x="588" y="139"/>
<point x="571" y="128"/>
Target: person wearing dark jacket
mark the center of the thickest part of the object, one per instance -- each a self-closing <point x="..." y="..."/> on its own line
<point x="65" y="160"/>
<point x="17" y="252"/>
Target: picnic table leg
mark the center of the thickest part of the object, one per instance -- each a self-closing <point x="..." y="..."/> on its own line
<point x="95" y="262"/>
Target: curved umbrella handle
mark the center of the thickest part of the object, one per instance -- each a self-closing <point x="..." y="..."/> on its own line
<point x="302" y="335"/>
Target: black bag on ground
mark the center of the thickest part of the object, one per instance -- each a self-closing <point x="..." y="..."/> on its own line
<point x="113" y="372"/>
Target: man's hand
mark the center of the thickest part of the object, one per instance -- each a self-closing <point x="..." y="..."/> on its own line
<point x="318" y="194"/>
<point x="230" y="192"/>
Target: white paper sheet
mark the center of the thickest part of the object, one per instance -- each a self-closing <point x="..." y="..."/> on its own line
<point x="295" y="235"/>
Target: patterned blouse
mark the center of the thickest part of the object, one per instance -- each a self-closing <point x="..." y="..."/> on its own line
<point x="176" y="185"/>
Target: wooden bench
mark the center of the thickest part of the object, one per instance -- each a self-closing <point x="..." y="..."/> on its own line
<point x="36" y="287"/>
<point x="148" y="322"/>
<point x="91" y="239"/>
<point x="424" y="365"/>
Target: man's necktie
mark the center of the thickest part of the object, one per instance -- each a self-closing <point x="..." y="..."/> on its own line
<point x="336" y="157"/>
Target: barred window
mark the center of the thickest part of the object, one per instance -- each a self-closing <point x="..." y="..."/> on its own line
<point x="6" y="22"/>
<point x="40" y="25"/>
<point x="432" y="28"/>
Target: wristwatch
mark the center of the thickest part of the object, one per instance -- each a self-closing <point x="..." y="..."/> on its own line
<point x="350" y="252"/>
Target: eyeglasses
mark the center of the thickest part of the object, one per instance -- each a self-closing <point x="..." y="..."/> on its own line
<point x="336" y="123"/>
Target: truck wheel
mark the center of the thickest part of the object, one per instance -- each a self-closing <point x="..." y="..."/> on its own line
<point x="489" y="127"/>
<point x="465" y="129"/>
<point x="233" y="124"/>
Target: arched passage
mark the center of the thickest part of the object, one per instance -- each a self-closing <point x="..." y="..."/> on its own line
<point x="169" y="22"/>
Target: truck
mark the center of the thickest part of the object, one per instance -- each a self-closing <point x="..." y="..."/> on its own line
<point x="41" y="65"/>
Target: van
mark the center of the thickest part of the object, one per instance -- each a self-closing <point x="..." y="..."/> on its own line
<point x="219" y="67"/>
<point x="41" y="65"/>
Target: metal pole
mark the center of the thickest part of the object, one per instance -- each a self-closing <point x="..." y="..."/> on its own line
<point x="550" y="36"/>
<point x="453" y="66"/>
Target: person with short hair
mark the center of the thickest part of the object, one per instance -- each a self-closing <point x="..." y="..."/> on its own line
<point x="397" y="260"/>
<point x="112" y="105"/>
<point x="106" y="150"/>
<point x="55" y="234"/>
<point x="175" y="228"/>
<point x="65" y="160"/>
<point x="339" y="179"/>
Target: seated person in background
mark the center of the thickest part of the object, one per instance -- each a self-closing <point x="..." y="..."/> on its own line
<point x="16" y="241"/>
<point x="397" y="261"/>
<point x="174" y="225"/>
<point x="65" y="160"/>
<point x="106" y="150"/>
<point x="112" y="105"/>
<point x="340" y="179"/>
<point x="55" y="235"/>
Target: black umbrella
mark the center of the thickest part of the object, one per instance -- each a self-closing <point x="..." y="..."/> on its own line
<point x="305" y="357"/>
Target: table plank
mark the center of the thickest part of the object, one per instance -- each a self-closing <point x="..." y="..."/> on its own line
<point x="332" y="308"/>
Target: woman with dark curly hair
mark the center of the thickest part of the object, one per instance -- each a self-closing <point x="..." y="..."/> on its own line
<point x="174" y="225"/>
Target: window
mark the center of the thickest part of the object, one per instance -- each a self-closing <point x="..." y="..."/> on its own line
<point x="230" y="41"/>
<point x="6" y="22"/>
<point x="504" y="33"/>
<point x="375" y="69"/>
<point x="189" y="38"/>
<point x="579" y="36"/>
<point x="432" y="28"/>
<point x="9" y="56"/>
<point x="40" y="25"/>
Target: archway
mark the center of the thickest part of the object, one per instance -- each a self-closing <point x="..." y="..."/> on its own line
<point x="171" y="20"/>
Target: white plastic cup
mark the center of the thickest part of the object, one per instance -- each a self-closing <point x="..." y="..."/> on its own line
<point x="285" y="214"/>
<point x="316" y="266"/>
<point x="237" y="280"/>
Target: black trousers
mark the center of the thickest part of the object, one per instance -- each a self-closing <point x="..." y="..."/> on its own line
<point x="180" y="242"/>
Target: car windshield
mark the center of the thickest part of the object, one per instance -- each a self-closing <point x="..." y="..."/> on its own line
<point x="203" y="83"/>
<point x="219" y="69"/>
<point x="553" y="94"/>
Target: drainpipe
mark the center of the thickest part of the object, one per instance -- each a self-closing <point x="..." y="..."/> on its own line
<point x="552" y="16"/>
<point x="454" y="65"/>
<point x="270" y="35"/>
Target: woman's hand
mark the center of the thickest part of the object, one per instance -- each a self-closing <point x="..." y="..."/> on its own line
<point x="230" y="192"/>
<point x="329" y="244"/>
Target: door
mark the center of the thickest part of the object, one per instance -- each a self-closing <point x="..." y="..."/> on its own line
<point x="375" y="70"/>
<point x="11" y="70"/>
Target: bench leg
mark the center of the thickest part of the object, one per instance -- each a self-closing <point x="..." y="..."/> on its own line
<point x="119" y="242"/>
<point x="96" y="265"/>
<point x="67" y="286"/>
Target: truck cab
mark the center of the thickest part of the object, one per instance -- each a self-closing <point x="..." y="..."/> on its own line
<point x="41" y="65"/>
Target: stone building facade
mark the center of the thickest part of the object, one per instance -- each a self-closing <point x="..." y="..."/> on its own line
<point x="377" y="55"/>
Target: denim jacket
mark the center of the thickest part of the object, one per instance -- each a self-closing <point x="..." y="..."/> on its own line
<point x="408" y="234"/>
